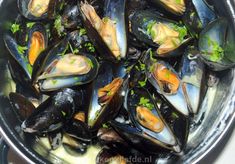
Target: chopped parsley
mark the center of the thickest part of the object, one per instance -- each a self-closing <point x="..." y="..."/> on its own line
<point x="132" y="92"/>
<point x="89" y="62"/>
<point x="151" y="56"/>
<point x="82" y="31"/>
<point x="145" y="102"/>
<point x="90" y="47"/>
<point x="143" y="83"/>
<point x="63" y="113"/>
<point x="105" y="126"/>
<point x="29" y="68"/>
<point x="181" y="30"/>
<point x="142" y="67"/>
<point x="178" y="1"/>
<point x="21" y="49"/>
<point x="217" y="51"/>
<point x="54" y="81"/>
<point x="58" y="25"/>
<point x="149" y="29"/>
<point x="15" y="27"/>
<point x="30" y="24"/>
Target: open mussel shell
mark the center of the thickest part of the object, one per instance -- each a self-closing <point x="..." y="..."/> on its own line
<point x="215" y="44"/>
<point x="174" y="7"/>
<point x="167" y="83"/>
<point x="192" y="73"/>
<point x="197" y="16"/>
<point x="22" y="58"/>
<point x="56" y="80"/>
<point x="21" y="105"/>
<point x="78" y="130"/>
<point x="73" y="146"/>
<point x="141" y="141"/>
<point x="46" y="57"/>
<point x="38" y="10"/>
<point x="112" y="28"/>
<point x="33" y="9"/>
<point x="37" y="42"/>
<point x="19" y="58"/>
<point x="104" y="108"/>
<point x="163" y="35"/>
<point x="53" y="113"/>
<point x="54" y="70"/>
<point x="116" y="10"/>
<point x="146" y="116"/>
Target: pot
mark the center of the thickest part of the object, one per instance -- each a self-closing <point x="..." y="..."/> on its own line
<point x="215" y="118"/>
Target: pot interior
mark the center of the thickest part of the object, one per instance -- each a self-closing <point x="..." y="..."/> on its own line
<point x="214" y="118"/>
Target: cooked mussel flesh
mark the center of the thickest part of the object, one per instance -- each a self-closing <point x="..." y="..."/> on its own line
<point x="176" y="7"/>
<point x="167" y="83"/>
<point x="164" y="35"/>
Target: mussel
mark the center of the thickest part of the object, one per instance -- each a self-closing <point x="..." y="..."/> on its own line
<point x="145" y="126"/>
<point x="176" y="7"/>
<point x="215" y="44"/>
<point x="25" y="57"/>
<point x="38" y="9"/>
<point x="54" y="112"/>
<point x="56" y="70"/>
<point x="21" y="105"/>
<point x="164" y="35"/>
<point x="107" y="34"/>
<point x="34" y="9"/>
<point x="167" y="83"/>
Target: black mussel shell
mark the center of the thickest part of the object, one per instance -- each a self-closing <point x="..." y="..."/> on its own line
<point x="177" y="122"/>
<point x="134" y="98"/>
<point x="54" y="112"/>
<point x="176" y="98"/>
<point x="97" y="114"/>
<point x="55" y="139"/>
<point x="73" y="146"/>
<point x="21" y="105"/>
<point x="78" y="130"/>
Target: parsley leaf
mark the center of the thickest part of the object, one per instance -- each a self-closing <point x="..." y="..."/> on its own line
<point x="58" y="25"/>
<point x="145" y="102"/>
<point x="15" y="27"/>
<point x="21" y="49"/>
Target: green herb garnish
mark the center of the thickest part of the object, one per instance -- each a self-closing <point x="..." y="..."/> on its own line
<point x="149" y="29"/>
<point x="21" y="49"/>
<point x="90" y="47"/>
<point x="54" y="81"/>
<point x="143" y="83"/>
<point x="82" y="32"/>
<point x="15" y="27"/>
<point x="217" y="51"/>
<point x="145" y="102"/>
<point x="58" y="25"/>
<point x="181" y="30"/>
<point x="30" y="24"/>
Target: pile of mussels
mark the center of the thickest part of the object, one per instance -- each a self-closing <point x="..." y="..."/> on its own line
<point x="124" y="74"/>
